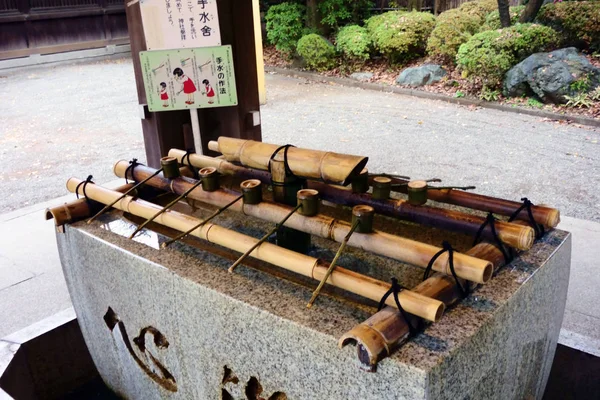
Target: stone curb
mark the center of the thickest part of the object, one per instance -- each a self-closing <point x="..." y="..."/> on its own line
<point x="432" y="96"/>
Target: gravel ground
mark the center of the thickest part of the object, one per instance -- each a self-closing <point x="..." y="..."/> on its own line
<point x="504" y="154"/>
<point x="64" y="120"/>
<point x="78" y="118"/>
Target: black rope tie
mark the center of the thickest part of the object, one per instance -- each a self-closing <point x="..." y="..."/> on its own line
<point x="447" y="247"/>
<point x="491" y="221"/>
<point x="187" y="154"/>
<point x="395" y="289"/>
<point x="286" y="165"/>
<point x="132" y="164"/>
<point x="84" y="183"/>
<point x="527" y="204"/>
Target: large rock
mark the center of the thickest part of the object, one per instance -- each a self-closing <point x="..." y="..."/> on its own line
<point x="550" y="75"/>
<point x="421" y="76"/>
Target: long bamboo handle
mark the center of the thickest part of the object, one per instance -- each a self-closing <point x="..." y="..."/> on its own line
<point x="362" y="285"/>
<point x="514" y="235"/>
<point x="396" y="247"/>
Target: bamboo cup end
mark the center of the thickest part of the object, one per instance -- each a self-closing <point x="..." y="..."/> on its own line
<point x="170" y="167"/>
<point x="72" y="184"/>
<point x="120" y="167"/>
<point x="214" y="146"/>
<point x="417" y="185"/>
<point x="382" y="180"/>
<point x="526" y="238"/>
<point x="178" y="154"/>
<point x="250" y="183"/>
<point x="49" y="214"/>
<point x="553" y="218"/>
<point x="487" y="273"/>
<point x="439" y="312"/>
<point x="370" y="341"/>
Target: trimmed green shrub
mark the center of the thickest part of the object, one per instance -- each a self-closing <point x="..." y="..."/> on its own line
<point x="492" y="21"/>
<point x="578" y="21"/>
<point x="452" y="29"/>
<point x="479" y="8"/>
<point x="400" y="35"/>
<point x="318" y="53"/>
<point x="489" y="55"/>
<point x="353" y="42"/>
<point x="285" y="26"/>
<point x="340" y="12"/>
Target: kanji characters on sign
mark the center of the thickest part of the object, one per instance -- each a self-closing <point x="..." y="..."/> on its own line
<point x="171" y="24"/>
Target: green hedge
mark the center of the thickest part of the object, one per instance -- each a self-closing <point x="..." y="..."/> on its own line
<point x="489" y="55"/>
<point x="354" y="43"/>
<point x="452" y="29"/>
<point x="285" y="26"/>
<point x="317" y="52"/>
<point x="337" y="13"/>
<point x="479" y="8"/>
<point x="492" y="21"/>
<point x="400" y="35"/>
<point x="578" y="22"/>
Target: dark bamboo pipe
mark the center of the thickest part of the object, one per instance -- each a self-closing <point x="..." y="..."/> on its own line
<point x="517" y="236"/>
<point x="547" y="216"/>
<point x="520" y="237"/>
<point x="392" y="246"/>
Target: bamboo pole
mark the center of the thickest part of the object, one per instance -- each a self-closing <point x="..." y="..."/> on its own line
<point x="396" y="247"/>
<point x="547" y="216"/>
<point x="312" y="164"/>
<point x="385" y="330"/>
<point x="76" y="209"/>
<point x="362" y="285"/>
<point x="514" y="235"/>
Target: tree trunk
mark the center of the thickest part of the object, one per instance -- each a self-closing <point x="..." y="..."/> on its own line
<point x="531" y="10"/>
<point x="504" y="13"/>
<point x="437" y="4"/>
<point x="312" y="18"/>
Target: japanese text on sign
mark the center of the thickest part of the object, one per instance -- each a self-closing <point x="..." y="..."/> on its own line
<point x="189" y="78"/>
<point x="172" y="24"/>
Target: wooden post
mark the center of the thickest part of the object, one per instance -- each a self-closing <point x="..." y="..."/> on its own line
<point x="236" y="22"/>
<point x="164" y="130"/>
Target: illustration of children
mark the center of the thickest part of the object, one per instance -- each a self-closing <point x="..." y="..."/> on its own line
<point x="187" y="87"/>
<point x="164" y="96"/>
<point x="210" y="93"/>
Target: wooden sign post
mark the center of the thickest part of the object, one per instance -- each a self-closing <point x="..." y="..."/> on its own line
<point x="233" y="21"/>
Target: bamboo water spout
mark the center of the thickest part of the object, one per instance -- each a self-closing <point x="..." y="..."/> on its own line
<point x="512" y="234"/>
<point x="312" y="164"/>
<point x="311" y="267"/>
<point x="387" y="329"/>
<point x="382" y="243"/>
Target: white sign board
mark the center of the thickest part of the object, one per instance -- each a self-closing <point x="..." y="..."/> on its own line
<point x="175" y="24"/>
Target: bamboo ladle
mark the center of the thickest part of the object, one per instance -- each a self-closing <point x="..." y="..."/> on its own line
<point x="311" y="267"/>
<point x="396" y="247"/>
